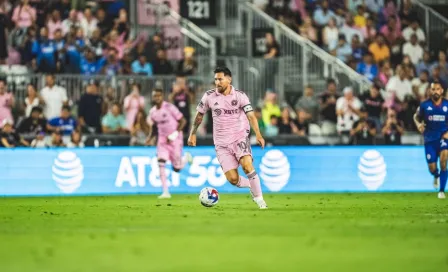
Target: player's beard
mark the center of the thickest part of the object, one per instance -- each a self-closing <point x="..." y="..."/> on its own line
<point x="221" y="89"/>
<point x="435" y="97"/>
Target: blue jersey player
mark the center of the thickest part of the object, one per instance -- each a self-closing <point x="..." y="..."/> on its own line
<point x="431" y="120"/>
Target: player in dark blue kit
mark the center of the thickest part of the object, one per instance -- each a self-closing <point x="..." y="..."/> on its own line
<point x="431" y="120"/>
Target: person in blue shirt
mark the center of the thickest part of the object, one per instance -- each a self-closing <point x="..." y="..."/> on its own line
<point x="141" y="66"/>
<point x="65" y="123"/>
<point x="322" y="15"/>
<point x="367" y="67"/>
<point x="431" y="120"/>
<point x="45" y="52"/>
<point x="89" y="64"/>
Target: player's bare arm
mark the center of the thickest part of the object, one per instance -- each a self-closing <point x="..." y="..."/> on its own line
<point x="197" y="122"/>
<point x="254" y="124"/>
<point x="182" y="123"/>
<point x="150" y="137"/>
<point x="419" y="123"/>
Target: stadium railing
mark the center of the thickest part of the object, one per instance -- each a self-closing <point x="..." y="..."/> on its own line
<point x="434" y="25"/>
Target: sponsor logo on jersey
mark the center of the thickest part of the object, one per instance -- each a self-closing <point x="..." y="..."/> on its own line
<point x="436" y="118"/>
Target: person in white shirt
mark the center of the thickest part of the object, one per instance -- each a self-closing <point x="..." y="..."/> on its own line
<point x="88" y="23"/>
<point x="420" y="85"/>
<point x="399" y="85"/>
<point x="414" y="28"/>
<point x="54" y="97"/>
<point x="349" y="29"/>
<point x="72" y="20"/>
<point x="413" y="50"/>
<point x="347" y="110"/>
<point x="75" y="140"/>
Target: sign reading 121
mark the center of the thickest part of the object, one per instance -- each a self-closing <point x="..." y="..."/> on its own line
<point x="200" y="12"/>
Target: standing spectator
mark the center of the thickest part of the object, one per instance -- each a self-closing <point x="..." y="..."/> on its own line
<point x="182" y="98"/>
<point x="26" y="47"/>
<point x="8" y="137"/>
<point x="6" y="102"/>
<point x="3" y="29"/>
<point x="76" y="140"/>
<point x="141" y="67"/>
<point x="391" y="31"/>
<point x="117" y="41"/>
<point x="34" y="123"/>
<point x="369" y="30"/>
<point x="71" y="21"/>
<point x="307" y="30"/>
<point x="343" y="50"/>
<point x="112" y="66"/>
<point x="271" y="129"/>
<point x="56" y="139"/>
<point x="63" y="6"/>
<point x="54" y="97"/>
<point x="64" y="123"/>
<point x="393" y="129"/>
<point x="309" y="104"/>
<point x="420" y="85"/>
<point x="425" y="63"/>
<point x="139" y="130"/>
<point x="90" y="108"/>
<point x="330" y="34"/>
<point x="188" y="65"/>
<point x="358" y="50"/>
<point x="54" y="23"/>
<point x="414" y="29"/>
<point x="399" y="84"/>
<point x="132" y="104"/>
<point x="347" y="110"/>
<point x="89" y="65"/>
<point x="88" y="23"/>
<point x="323" y="14"/>
<point x="73" y="49"/>
<point x="24" y="15"/>
<point x="45" y="52"/>
<point x="367" y="68"/>
<point x="114" y="122"/>
<point x="374" y="6"/>
<point x="363" y="131"/>
<point x="103" y="22"/>
<point x="413" y="50"/>
<point x="379" y="49"/>
<point x="31" y="100"/>
<point x="152" y="47"/>
<point x="161" y="65"/>
<point x="373" y="103"/>
<point x="328" y="108"/>
<point x="97" y="44"/>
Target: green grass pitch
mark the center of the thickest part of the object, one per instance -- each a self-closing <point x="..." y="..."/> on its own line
<point x="300" y="232"/>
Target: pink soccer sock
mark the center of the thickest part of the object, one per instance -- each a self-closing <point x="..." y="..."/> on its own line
<point x="243" y="183"/>
<point x="163" y="176"/>
<point x="255" y="186"/>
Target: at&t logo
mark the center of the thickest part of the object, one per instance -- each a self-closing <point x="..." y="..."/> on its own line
<point x="275" y="170"/>
<point x="68" y="172"/>
<point x="372" y="169"/>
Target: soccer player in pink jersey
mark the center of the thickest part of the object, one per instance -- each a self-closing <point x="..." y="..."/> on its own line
<point x="170" y="123"/>
<point x="232" y="113"/>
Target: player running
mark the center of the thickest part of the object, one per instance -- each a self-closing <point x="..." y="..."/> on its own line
<point x="232" y="113"/>
<point x="170" y="123"/>
<point x="431" y="120"/>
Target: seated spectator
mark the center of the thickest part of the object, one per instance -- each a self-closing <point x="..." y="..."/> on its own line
<point x="407" y="13"/>
<point x="420" y="85"/>
<point x="261" y="125"/>
<point x="271" y="129"/>
<point x="358" y="50"/>
<point x="56" y="140"/>
<point x="349" y="29"/>
<point x="308" y="103"/>
<point x="369" y="30"/>
<point x="39" y="141"/>
<point x="389" y="10"/>
<point x="435" y="76"/>
<point x="379" y="49"/>
<point x="90" y="108"/>
<point x="71" y="21"/>
<point x="161" y="66"/>
<point x="24" y="15"/>
<point x="399" y="84"/>
<point x="323" y="14"/>
<point x="89" y="64"/>
<point x="330" y="34"/>
<point x="413" y="50"/>
<point x="414" y="29"/>
<point x="363" y="131"/>
<point x="300" y="126"/>
<point x="442" y="64"/>
<point x="385" y="73"/>
<point x="117" y="41"/>
<point x="65" y="123"/>
<point x="114" y="122"/>
<point x="393" y="129"/>
<point x="76" y="140"/>
<point x="139" y="130"/>
<point x="286" y="124"/>
<point x="374" y="6"/>
<point x="270" y="107"/>
<point x="360" y="17"/>
<point x="188" y="65"/>
<point x="59" y="43"/>
<point x="54" y="97"/>
<point x="97" y="44"/>
<point x="390" y="31"/>
<point x="8" y="137"/>
<point x="347" y="110"/>
<point x="45" y="52"/>
<point x="7" y="102"/>
<point x="141" y="66"/>
<point x="373" y="103"/>
<point x="272" y="47"/>
<point x="63" y="6"/>
<point x="425" y="63"/>
<point x="34" y="123"/>
<point x="88" y="23"/>
<point x="343" y="50"/>
<point x="327" y="108"/>
<point x="153" y="46"/>
<point x="54" y="22"/>
<point x="307" y="30"/>
<point x="32" y="99"/>
<point x="112" y="67"/>
<point x="133" y="102"/>
<point x="352" y="5"/>
<point x="103" y="22"/>
<point x="367" y="68"/>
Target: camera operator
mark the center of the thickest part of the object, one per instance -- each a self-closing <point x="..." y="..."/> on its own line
<point x="363" y="131"/>
<point x="392" y="129"/>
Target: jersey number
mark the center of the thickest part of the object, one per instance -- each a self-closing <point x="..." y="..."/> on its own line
<point x="198" y="9"/>
<point x="172" y="43"/>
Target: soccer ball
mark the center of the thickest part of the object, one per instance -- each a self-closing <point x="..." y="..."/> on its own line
<point x="209" y="197"/>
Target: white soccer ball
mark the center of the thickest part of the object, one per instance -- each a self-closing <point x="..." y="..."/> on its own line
<point x="209" y="197"/>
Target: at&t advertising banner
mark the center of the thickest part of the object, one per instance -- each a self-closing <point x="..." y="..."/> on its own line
<point x="104" y="171"/>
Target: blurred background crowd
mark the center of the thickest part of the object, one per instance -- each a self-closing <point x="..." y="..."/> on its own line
<point x="380" y="39"/>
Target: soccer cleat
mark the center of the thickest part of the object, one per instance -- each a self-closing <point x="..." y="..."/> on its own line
<point x="188" y="158"/>
<point x="261" y="204"/>
<point x="441" y="195"/>
<point x="164" y="195"/>
<point x="436" y="183"/>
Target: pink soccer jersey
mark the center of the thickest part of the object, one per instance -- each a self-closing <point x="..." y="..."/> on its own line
<point x="166" y="118"/>
<point x="229" y="115"/>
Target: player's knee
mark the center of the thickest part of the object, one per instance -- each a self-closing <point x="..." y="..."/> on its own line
<point x="247" y="168"/>
<point x="233" y="179"/>
<point x="432" y="168"/>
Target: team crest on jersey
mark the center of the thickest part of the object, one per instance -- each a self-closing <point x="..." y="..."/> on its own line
<point x="428" y="156"/>
<point x="218" y="112"/>
<point x="445" y="108"/>
<point x="234" y="102"/>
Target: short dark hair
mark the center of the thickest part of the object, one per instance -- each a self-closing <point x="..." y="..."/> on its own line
<point x="67" y="108"/>
<point x="273" y="117"/>
<point x="159" y="90"/>
<point x="224" y="70"/>
<point x="330" y="81"/>
<point x="435" y="81"/>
